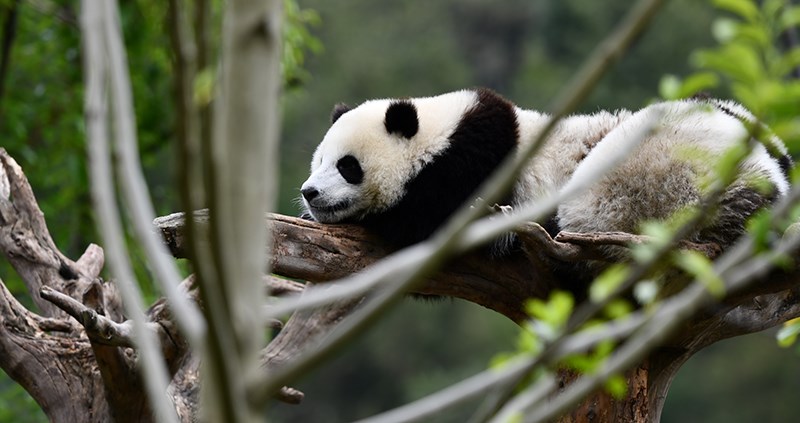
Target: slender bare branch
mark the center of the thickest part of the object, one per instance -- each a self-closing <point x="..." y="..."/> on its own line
<point x="133" y="186"/>
<point x="99" y="23"/>
<point x="246" y="126"/>
<point x="98" y="327"/>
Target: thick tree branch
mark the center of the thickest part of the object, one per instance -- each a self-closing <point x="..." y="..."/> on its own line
<point x="319" y="253"/>
<point x="316" y="252"/>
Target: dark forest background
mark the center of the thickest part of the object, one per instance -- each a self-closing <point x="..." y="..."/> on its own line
<point x="356" y="50"/>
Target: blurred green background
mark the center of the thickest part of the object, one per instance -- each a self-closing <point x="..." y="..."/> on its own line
<point x="526" y="50"/>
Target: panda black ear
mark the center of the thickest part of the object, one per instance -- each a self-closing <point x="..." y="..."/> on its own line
<point x="338" y="111"/>
<point x="401" y="118"/>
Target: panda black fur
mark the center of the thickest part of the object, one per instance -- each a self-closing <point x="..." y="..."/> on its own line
<point x="402" y="167"/>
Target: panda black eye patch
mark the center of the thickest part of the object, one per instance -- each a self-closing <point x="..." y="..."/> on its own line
<point x="350" y="169"/>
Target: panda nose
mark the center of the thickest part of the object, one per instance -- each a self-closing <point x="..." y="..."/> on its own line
<point x="309" y="193"/>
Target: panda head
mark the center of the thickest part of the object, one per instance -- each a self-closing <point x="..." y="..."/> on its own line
<point x="371" y="152"/>
<point x="401" y="167"/>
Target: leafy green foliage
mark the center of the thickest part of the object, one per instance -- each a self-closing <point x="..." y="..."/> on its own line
<point x="298" y="41"/>
<point x="750" y="58"/>
<point x="672" y="87"/>
<point x="553" y="313"/>
<point x="548" y="321"/>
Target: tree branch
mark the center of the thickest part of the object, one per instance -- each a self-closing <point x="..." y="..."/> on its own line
<point x="319" y="253"/>
<point x="98" y="327"/>
<point x="104" y="61"/>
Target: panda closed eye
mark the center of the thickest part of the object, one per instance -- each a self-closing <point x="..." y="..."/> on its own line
<point x="350" y="169"/>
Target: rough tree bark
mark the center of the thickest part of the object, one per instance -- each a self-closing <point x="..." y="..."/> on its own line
<point x="75" y="355"/>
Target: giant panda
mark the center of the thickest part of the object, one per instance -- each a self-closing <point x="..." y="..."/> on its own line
<point x="401" y="167"/>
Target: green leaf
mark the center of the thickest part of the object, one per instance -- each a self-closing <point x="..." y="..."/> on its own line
<point x="516" y="417"/>
<point x="790" y="18"/>
<point x="500" y="360"/>
<point x="787" y="335"/>
<point x="617" y="309"/>
<point x="608" y="281"/>
<point x="727" y="166"/>
<point x="699" y="266"/>
<point x="204" y="83"/>
<point x="789" y="61"/>
<point x="555" y="311"/>
<point x="698" y="82"/>
<point x="528" y="340"/>
<point x="660" y="234"/>
<point x="583" y="363"/>
<point x="738" y="61"/>
<point x="658" y="231"/>
<point x="673" y="88"/>
<point x="759" y="226"/>
<point x="745" y="9"/>
<point x="617" y="386"/>
<point x="758" y="35"/>
<point x="591" y="361"/>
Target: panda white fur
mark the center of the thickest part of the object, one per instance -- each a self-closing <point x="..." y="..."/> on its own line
<point x="402" y="167"/>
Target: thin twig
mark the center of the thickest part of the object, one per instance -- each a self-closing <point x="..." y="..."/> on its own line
<point x="99" y="328"/>
<point x="134" y="188"/>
